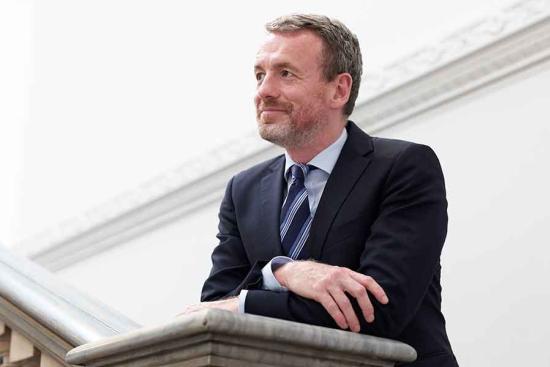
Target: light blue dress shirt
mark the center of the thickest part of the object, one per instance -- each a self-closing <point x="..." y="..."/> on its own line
<point x="315" y="183"/>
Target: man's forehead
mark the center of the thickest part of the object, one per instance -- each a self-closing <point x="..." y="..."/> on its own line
<point x="284" y="44"/>
<point x="290" y="38"/>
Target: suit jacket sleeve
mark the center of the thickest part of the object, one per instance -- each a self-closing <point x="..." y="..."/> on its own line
<point x="231" y="268"/>
<point x="401" y="253"/>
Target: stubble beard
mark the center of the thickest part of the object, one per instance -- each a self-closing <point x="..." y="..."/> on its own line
<point x="299" y="131"/>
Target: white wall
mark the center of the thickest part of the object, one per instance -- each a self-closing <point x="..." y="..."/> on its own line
<point x="151" y="278"/>
<point x="15" y="76"/>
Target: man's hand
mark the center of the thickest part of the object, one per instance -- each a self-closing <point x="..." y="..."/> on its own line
<point x="328" y="285"/>
<point x="229" y="304"/>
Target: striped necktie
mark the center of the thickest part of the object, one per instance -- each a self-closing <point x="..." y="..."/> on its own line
<point x="295" y="214"/>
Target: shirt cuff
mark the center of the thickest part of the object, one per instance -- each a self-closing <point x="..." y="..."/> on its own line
<point x="269" y="282"/>
<point x="242" y="300"/>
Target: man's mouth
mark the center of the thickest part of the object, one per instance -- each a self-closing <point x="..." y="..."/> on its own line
<point x="273" y="111"/>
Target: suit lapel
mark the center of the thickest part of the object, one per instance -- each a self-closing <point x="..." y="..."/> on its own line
<point x="271" y="194"/>
<point x="353" y="161"/>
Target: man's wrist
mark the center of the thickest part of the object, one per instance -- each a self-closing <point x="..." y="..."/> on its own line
<point x="281" y="274"/>
<point x="269" y="282"/>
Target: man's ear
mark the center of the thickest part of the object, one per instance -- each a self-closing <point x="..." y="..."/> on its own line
<point x="341" y="90"/>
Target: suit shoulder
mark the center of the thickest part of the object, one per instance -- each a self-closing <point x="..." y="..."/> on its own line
<point x="405" y="156"/>
<point x="385" y="148"/>
<point x="258" y="170"/>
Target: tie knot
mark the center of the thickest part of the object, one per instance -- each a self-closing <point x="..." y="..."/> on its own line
<point x="300" y="171"/>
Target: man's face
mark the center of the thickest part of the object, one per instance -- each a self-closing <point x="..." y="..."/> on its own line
<point x="291" y="95"/>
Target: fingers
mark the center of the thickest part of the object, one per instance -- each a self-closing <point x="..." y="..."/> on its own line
<point x="331" y="285"/>
<point x="190" y="309"/>
<point x="371" y="285"/>
<point x="334" y="311"/>
<point x="357" y="285"/>
<point x="359" y="292"/>
<point x="345" y="306"/>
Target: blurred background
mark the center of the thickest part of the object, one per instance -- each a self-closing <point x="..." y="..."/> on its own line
<point x="116" y="115"/>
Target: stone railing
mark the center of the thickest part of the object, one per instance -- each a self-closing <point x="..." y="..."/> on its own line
<point x="41" y="318"/>
<point x="222" y="338"/>
<point x="49" y="324"/>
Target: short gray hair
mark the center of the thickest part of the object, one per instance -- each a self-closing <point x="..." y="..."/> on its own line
<point x="341" y="54"/>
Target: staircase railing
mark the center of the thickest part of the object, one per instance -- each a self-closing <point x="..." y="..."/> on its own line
<point x="41" y="318"/>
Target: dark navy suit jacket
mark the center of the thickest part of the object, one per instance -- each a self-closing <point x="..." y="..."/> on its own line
<point x="383" y="213"/>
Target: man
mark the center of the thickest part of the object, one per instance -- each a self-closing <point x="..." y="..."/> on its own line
<point x="344" y="230"/>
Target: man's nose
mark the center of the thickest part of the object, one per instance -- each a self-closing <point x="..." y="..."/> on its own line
<point x="268" y="87"/>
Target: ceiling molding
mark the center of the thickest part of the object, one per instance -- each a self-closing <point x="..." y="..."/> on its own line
<point x="477" y="55"/>
<point x="482" y="53"/>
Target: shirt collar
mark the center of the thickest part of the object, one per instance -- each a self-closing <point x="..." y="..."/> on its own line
<point x="326" y="159"/>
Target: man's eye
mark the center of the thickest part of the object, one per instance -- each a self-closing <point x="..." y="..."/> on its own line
<point x="259" y="76"/>
<point x="285" y="73"/>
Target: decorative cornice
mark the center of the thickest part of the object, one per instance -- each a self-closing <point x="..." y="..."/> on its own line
<point x="482" y="53"/>
<point x="461" y="43"/>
